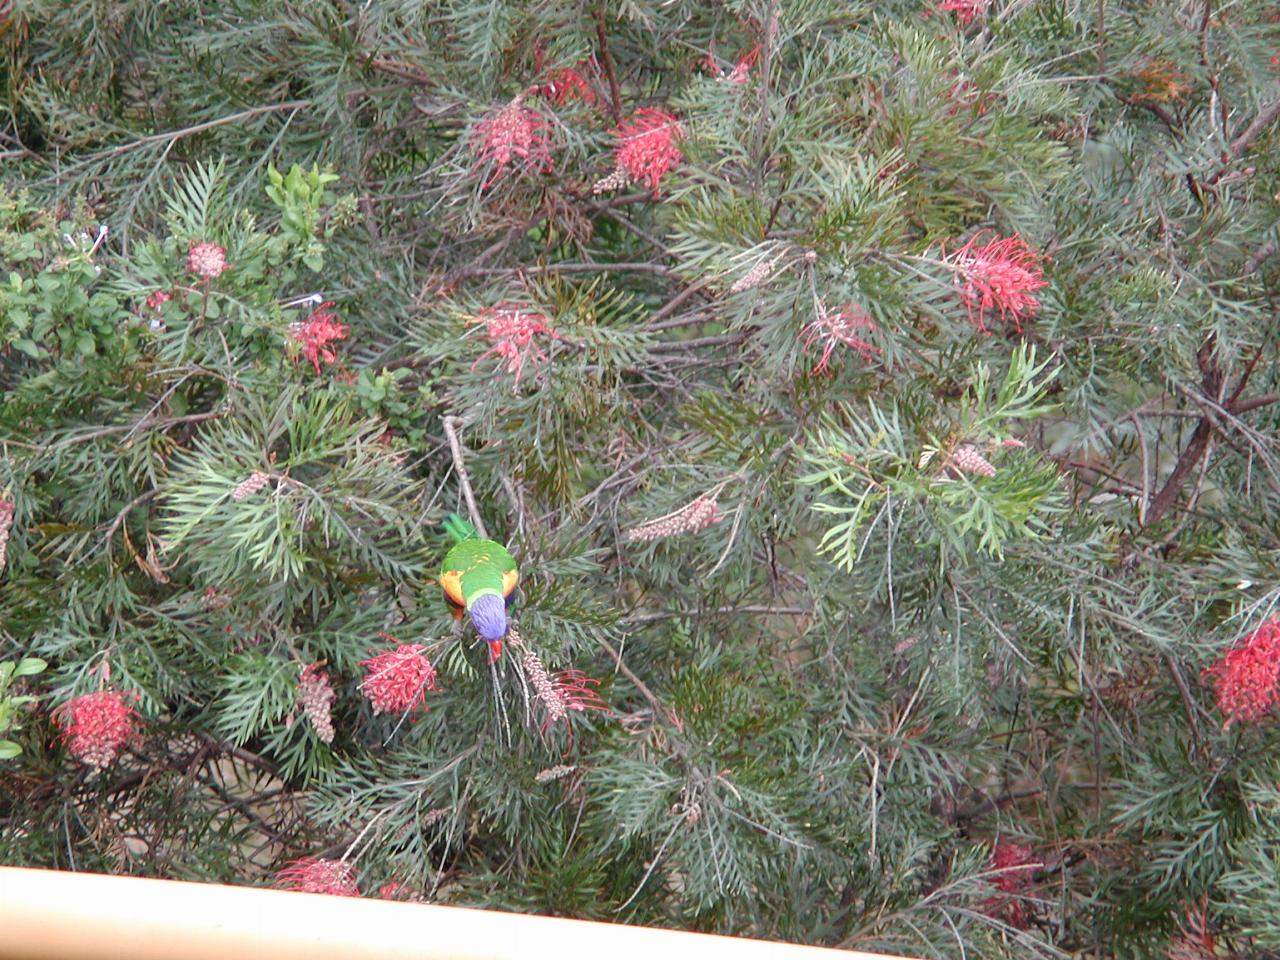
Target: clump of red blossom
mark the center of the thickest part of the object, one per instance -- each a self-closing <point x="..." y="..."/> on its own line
<point x="1013" y="867"/>
<point x="645" y="150"/>
<point x="741" y="71"/>
<point x="511" y="329"/>
<point x="1246" y="678"/>
<point x="395" y="890"/>
<point x="570" y="83"/>
<point x="96" y="726"/>
<point x="317" y="332"/>
<point x="398" y="680"/>
<point x="511" y="133"/>
<point x="998" y="276"/>
<point x="318" y="875"/>
<point x="966" y="11"/>
<point x="841" y="326"/>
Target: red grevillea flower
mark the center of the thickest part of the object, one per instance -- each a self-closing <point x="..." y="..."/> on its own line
<point x="511" y="329"/>
<point x="646" y="148"/>
<point x="317" y="696"/>
<point x="966" y="11"/>
<point x="96" y="726"/>
<point x="561" y="692"/>
<point x="318" y="875"/>
<point x="510" y="133"/>
<point x="395" y="890"/>
<point x="998" y="276"/>
<point x="207" y="260"/>
<point x="398" y="680"/>
<point x="320" y="329"/>
<point x="1016" y="865"/>
<point x="1246" y="678"/>
<point x="833" y="328"/>
<point x="741" y="71"/>
<point x="568" y="84"/>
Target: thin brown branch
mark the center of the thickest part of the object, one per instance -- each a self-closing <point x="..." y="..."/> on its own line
<point x="770" y="34"/>
<point x="159" y="423"/>
<point x="1188" y="702"/>
<point x="720" y="340"/>
<point x="538" y="268"/>
<point x="1252" y="132"/>
<point x="659" y="709"/>
<point x="720" y="611"/>
<point x="606" y="61"/>
<point x="451" y="425"/>
<point x="1263" y="254"/>
<point x="1102" y="36"/>
<point x="173" y="135"/>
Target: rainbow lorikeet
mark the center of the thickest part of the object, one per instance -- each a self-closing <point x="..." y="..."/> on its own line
<point x="479" y="576"/>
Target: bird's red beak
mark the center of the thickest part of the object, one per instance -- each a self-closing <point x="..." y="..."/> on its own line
<point x="495" y="650"/>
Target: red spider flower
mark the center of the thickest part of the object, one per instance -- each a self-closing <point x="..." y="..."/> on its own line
<point x="317" y="696"/>
<point x="1246" y="678"/>
<point x="568" y="84"/>
<point x="966" y="11"/>
<point x="511" y="329"/>
<point x="741" y="71"/>
<point x="513" y="132"/>
<point x="320" y="329"/>
<point x="1014" y="866"/>
<point x="560" y="692"/>
<point x="398" y="680"/>
<point x="395" y="890"/>
<point x="318" y="875"/>
<point x="96" y="726"/>
<point x="998" y="276"/>
<point x="206" y="260"/>
<point x="646" y="149"/>
<point x="836" y="327"/>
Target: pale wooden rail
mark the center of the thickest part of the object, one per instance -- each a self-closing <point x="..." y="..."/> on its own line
<point x="47" y="915"/>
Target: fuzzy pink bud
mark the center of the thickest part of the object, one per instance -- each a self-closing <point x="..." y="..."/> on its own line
<point x="316" y="696"/>
<point x="698" y="514"/>
<point x="206" y="260"/>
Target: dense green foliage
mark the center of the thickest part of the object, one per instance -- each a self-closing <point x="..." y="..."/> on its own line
<point x="885" y="660"/>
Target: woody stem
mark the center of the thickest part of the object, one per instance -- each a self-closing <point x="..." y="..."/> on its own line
<point x="451" y="425"/>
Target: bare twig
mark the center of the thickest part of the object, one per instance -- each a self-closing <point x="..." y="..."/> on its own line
<point x="606" y="61"/>
<point x="1251" y="133"/>
<point x="451" y="425"/>
<point x="659" y="709"/>
<point x="172" y="135"/>
<point x="1264" y="253"/>
<point x="1102" y="36"/>
<point x="721" y="611"/>
<point x="770" y="34"/>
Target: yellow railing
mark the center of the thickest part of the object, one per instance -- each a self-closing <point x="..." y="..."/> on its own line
<point x="47" y="915"/>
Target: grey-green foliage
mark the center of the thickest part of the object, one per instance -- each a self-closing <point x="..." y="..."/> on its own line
<point x="829" y="706"/>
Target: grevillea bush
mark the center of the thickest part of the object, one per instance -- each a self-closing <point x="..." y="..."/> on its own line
<point x="879" y="401"/>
